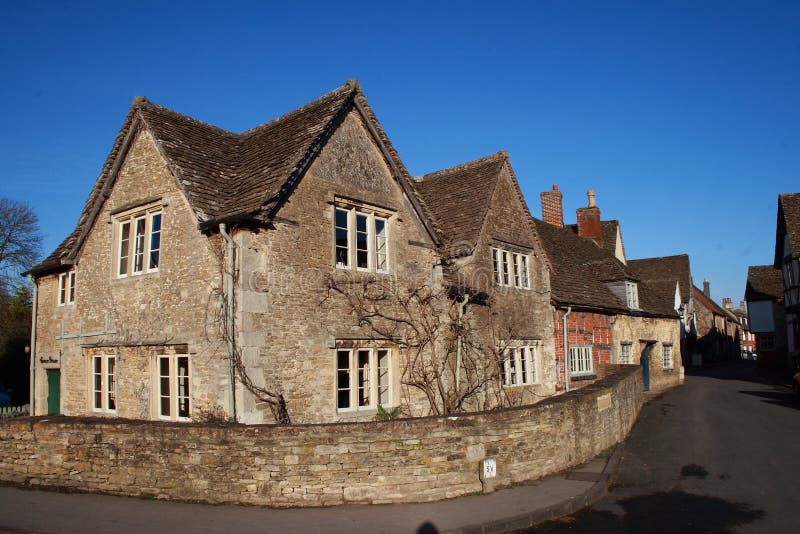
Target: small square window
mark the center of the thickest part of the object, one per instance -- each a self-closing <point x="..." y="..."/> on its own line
<point x="138" y="242"/>
<point x="580" y="360"/>
<point x="361" y="240"/>
<point x="363" y="379"/>
<point x="519" y="366"/>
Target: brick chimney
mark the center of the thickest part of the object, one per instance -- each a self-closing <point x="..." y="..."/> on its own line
<point x="589" y="221"/>
<point x="727" y="303"/>
<point x="552" y="210"/>
<point x="706" y="288"/>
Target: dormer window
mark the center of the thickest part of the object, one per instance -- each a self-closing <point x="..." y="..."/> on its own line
<point x="632" y="295"/>
<point x="510" y="268"/>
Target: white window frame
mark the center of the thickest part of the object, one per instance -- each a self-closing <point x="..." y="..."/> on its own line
<point x="66" y="288"/>
<point x="626" y="352"/>
<point x="178" y="392"/>
<point x="348" y="379"/>
<point x="373" y="239"/>
<point x="103" y="383"/>
<point x="580" y="360"/>
<point x="147" y="216"/>
<point x="666" y="356"/>
<point x="511" y="269"/>
<point x="632" y="295"/>
<point x="519" y="366"/>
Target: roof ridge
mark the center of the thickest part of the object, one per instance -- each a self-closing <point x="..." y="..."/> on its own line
<point x="350" y="85"/>
<point x="499" y="156"/>
<point x="684" y="254"/>
<point x="141" y="102"/>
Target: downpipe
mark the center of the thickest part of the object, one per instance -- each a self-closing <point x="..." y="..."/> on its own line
<point x="32" y="375"/>
<point x="229" y="315"/>
<point x="566" y="348"/>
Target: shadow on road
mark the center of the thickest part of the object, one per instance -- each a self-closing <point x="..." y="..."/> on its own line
<point x="674" y="511"/>
<point x="781" y="398"/>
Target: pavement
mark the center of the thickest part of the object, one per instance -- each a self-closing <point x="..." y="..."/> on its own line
<point x="508" y="509"/>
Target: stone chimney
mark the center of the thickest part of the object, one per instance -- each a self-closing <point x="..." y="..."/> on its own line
<point x="727" y="303"/>
<point x="552" y="210"/>
<point x="706" y="288"/>
<point x="589" y="221"/>
<point x="742" y="306"/>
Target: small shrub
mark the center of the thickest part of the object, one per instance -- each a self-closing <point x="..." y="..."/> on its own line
<point x="383" y="415"/>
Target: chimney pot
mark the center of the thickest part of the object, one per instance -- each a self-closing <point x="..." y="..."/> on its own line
<point x="590" y="194"/>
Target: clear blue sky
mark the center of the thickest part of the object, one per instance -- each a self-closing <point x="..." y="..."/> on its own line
<point x="684" y="117"/>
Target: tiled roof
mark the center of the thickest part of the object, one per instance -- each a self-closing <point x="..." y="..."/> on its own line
<point x="764" y="282"/>
<point x="665" y="268"/>
<point x="788" y="219"/>
<point x="226" y="175"/>
<point x="458" y="198"/>
<point x="581" y="270"/>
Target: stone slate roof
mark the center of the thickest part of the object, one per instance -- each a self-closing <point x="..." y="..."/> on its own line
<point x="458" y="198"/>
<point x="581" y="270"/>
<point x="789" y="222"/>
<point x="764" y="282"/>
<point x="227" y="176"/>
<point x="665" y="268"/>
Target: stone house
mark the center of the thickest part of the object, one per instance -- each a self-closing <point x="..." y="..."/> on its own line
<point x="717" y="328"/>
<point x="221" y="275"/>
<point x="787" y="259"/>
<point x="492" y="251"/>
<point x="672" y="276"/>
<point x="766" y="314"/>
<point x="603" y="312"/>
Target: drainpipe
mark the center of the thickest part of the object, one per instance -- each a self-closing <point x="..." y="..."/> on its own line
<point x="229" y="314"/>
<point x="461" y="306"/>
<point x="566" y="348"/>
<point x="32" y="386"/>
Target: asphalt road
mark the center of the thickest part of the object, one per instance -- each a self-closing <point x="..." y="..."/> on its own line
<point x="719" y="454"/>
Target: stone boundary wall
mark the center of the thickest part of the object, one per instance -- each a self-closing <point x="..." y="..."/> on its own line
<point x="408" y="460"/>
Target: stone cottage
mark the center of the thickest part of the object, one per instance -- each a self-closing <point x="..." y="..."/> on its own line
<point x="294" y="272"/>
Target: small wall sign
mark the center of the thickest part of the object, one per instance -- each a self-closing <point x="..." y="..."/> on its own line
<point x="489" y="468"/>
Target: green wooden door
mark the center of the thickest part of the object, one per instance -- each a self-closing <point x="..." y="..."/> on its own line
<point x="53" y="392"/>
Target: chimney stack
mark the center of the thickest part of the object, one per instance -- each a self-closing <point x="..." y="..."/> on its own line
<point x="742" y="306"/>
<point x="706" y="288"/>
<point x="727" y="303"/>
<point x="589" y="221"/>
<point x="552" y="208"/>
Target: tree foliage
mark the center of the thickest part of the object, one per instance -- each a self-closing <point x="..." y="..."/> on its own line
<point x="20" y="242"/>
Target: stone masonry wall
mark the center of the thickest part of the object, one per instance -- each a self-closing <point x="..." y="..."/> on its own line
<point x="409" y="460"/>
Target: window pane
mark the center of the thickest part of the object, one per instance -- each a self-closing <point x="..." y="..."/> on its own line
<point x="342" y="251"/>
<point x="523" y="361"/>
<point x="525" y="282"/>
<point x="71" y="278"/>
<point x="124" y="243"/>
<point x="164" y="385"/>
<point x="97" y="374"/>
<point x="516" y="270"/>
<point x="505" y="268"/>
<point x="380" y="244"/>
<point x="383" y="377"/>
<point x="363" y="378"/>
<point x="62" y="289"/>
<point x="138" y="249"/>
<point x="343" y="379"/>
<point x="496" y="266"/>
<point x="155" y="240"/>
<point x="111" y="383"/>
<point x="183" y="386"/>
<point x="362" y="254"/>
